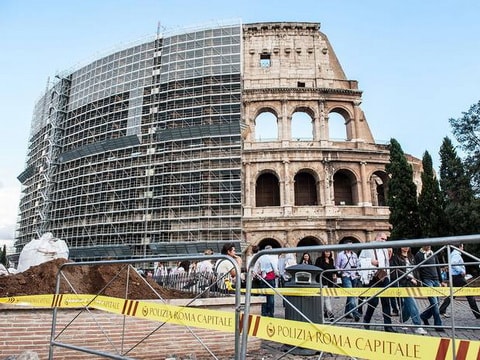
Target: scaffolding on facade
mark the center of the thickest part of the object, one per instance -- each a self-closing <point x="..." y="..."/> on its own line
<point x="110" y="177"/>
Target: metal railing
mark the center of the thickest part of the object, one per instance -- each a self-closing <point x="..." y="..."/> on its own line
<point x="56" y="330"/>
<point x="196" y="283"/>
<point x="444" y="243"/>
<point x="199" y="288"/>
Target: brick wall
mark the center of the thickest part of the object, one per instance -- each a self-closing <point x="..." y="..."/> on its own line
<point x="29" y="329"/>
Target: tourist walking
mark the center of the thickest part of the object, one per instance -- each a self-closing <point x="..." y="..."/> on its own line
<point x="285" y="260"/>
<point x="430" y="275"/>
<point x="458" y="280"/>
<point x="206" y="266"/>
<point x="268" y="265"/>
<point x="402" y="263"/>
<point x="205" y="274"/>
<point x="394" y="301"/>
<point x="225" y="269"/>
<point x="346" y="264"/>
<point x="378" y="258"/>
<point x="329" y="279"/>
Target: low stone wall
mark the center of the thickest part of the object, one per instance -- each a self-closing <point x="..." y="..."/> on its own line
<point x="26" y="328"/>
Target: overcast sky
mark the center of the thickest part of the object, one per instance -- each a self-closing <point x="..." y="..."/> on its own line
<point x="417" y="62"/>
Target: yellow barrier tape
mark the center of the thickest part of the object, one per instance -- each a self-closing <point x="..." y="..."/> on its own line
<point x="32" y="300"/>
<point x="204" y="318"/>
<point x="359" y="343"/>
<point x="352" y="342"/>
<point x="419" y="292"/>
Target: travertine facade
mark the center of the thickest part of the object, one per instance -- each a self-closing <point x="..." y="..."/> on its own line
<point x="323" y="191"/>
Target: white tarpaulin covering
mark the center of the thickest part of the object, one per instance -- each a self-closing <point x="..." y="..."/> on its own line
<point x="42" y="250"/>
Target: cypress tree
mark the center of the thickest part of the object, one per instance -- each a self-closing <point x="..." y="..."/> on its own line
<point x="461" y="208"/>
<point x="402" y="196"/>
<point x="3" y="255"/>
<point x="430" y="202"/>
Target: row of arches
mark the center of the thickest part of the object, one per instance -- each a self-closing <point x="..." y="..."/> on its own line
<point x="304" y="242"/>
<point x="306" y="189"/>
<point x="302" y="126"/>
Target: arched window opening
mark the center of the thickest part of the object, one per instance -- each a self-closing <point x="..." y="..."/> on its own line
<point x="309" y="241"/>
<point x="269" y="241"/>
<point x="267" y="190"/>
<point x="378" y="188"/>
<point x="305" y="189"/>
<point x="337" y="127"/>
<point x="266" y="127"/>
<point x="349" y="239"/>
<point x="302" y="126"/>
<point x="344" y="182"/>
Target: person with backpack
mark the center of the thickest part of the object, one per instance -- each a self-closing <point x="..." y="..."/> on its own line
<point x="430" y="275"/>
<point x="346" y="264"/>
<point x="380" y="278"/>
<point x="402" y="262"/>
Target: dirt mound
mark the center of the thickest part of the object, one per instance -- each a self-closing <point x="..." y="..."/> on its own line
<point x="117" y="280"/>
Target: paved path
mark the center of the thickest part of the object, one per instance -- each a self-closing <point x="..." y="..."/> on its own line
<point x="463" y="324"/>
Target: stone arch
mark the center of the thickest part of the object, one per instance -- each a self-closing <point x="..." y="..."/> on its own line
<point x="378" y="187"/>
<point x="266" y="124"/>
<point x="267" y="189"/>
<point x="269" y="241"/>
<point x="302" y="123"/>
<point x="349" y="238"/>
<point x="305" y="109"/>
<point x="309" y="241"/>
<point x="306" y="188"/>
<point x="345" y="187"/>
<point x="264" y="109"/>
<point x="340" y="131"/>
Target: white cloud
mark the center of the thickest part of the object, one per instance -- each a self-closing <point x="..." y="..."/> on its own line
<point x="9" y="200"/>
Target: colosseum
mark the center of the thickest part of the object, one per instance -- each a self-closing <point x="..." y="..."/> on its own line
<point x="201" y="136"/>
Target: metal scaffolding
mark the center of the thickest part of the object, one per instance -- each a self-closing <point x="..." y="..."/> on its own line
<point x="140" y="147"/>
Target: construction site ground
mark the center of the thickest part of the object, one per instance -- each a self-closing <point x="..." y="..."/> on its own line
<point x="41" y="280"/>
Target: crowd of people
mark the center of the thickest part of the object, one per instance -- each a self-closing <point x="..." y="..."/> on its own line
<point x="379" y="267"/>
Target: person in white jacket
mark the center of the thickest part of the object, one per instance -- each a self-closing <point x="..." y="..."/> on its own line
<point x="268" y="270"/>
<point x="378" y="258"/>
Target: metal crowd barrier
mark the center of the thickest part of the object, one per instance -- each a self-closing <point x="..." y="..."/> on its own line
<point x="443" y="244"/>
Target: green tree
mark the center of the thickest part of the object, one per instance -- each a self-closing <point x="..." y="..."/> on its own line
<point x="466" y="130"/>
<point x="3" y="256"/>
<point x="430" y="202"/>
<point x="461" y="207"/>
<point x="402" y="196"/>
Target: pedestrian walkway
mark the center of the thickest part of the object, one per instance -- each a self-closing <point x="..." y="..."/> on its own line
<point x="466" y="327"/>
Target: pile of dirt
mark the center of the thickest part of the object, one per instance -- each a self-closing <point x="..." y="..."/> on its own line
<point x="116" y="280"/>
